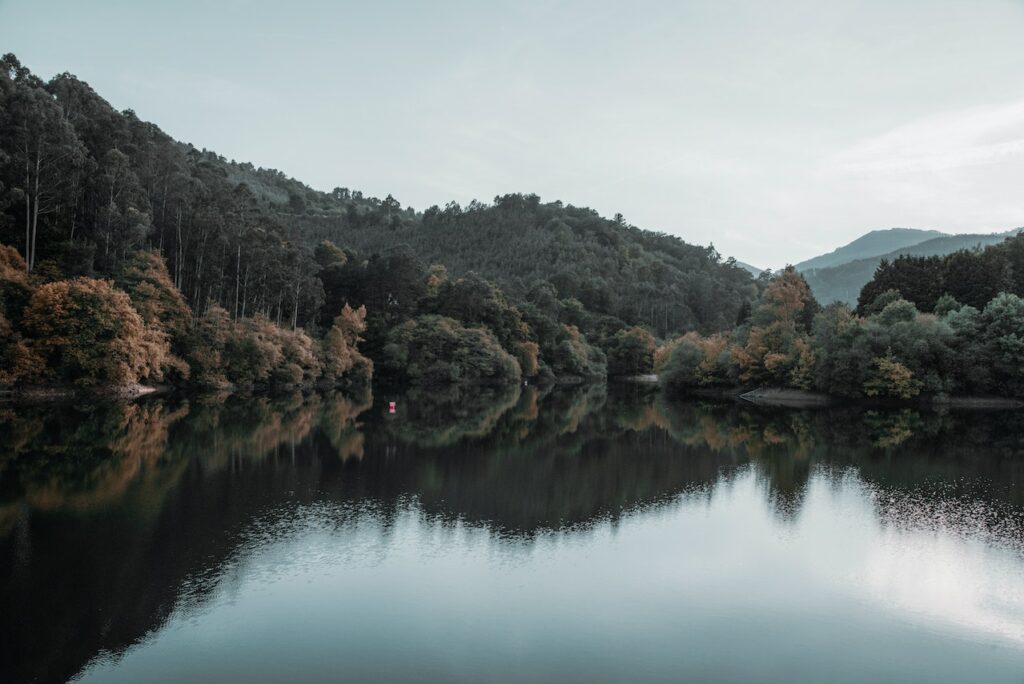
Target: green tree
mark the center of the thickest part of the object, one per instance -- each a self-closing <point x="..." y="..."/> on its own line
<point x="435" y="349"/>
<point x="1001" y="328"/>
<point x="631" y="352"/>
<point x="43" y="149"/>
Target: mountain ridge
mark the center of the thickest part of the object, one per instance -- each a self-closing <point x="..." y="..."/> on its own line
<point x="870" y="244"/>
<point x="844" y="281"/>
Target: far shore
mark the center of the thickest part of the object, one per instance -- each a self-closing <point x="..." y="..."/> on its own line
<point x="763" y="396"/>
<point x="796" y="398"/>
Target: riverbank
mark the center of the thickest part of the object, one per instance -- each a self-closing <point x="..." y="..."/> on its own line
<point x="59" y="393"/>
<point x="762" y="396"/>
<point x="65" y="393"/>
<point x="796" y="398"/>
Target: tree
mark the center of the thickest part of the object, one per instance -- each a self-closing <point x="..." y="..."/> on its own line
<point x="340" y="353"/>
<point x="946" y="304"/>
<point x="435" y="349"/>
<point x="88" y="333"/>
<point x="44" y="150"/>
<point x="843" y="351"/>
<point x="881" y="301"/>
<point x="895" y="312"/>
<point x="1001" y="328"/>
<point x="696" y="361"/>
<point x="631" y="352"/>
<point x="18" y="363"/>
<point x="15" y="289"/>
<point x="145" y="278"/>
<point x="919" y="280"/>
<point x="205" y="347"/>
<point x="774" y="350"/>
<point x="474" y="301"/>
<point x="574" y="357"/>
<point x="890" y="378"/>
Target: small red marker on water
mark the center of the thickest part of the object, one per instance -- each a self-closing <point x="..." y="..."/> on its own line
<point x="391" y="407"/>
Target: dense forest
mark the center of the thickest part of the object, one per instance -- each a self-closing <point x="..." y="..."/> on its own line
<point x="250" y="277"/>
<point x="840" y="276"/>
<point x="128" y="257"/>
<point x="936" y="325"/>
<point x="973" y="277"/>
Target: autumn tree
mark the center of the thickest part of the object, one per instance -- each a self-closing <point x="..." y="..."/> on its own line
<point x="145" y="278"/>
<point x="341" y="357"/>
<point x="890" y="378"/>
<point x="15" y="288"/>
<point x="695" y="361"/>
<point x="87" y="333"/>
<point x="775" y="350"/>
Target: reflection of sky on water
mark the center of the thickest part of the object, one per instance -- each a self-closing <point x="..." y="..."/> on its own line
<point x="718" y="587"/>
<point x="518" y="534"/>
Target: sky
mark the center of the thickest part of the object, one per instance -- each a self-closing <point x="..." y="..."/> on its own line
<point x="774" y="130"/>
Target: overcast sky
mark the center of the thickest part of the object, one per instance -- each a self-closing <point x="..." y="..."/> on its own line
<point x="776" y="130"/>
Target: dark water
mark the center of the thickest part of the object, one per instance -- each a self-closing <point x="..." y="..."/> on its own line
<point x="570" y="535"/>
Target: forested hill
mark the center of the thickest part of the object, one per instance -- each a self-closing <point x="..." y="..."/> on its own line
<point x="843" y="282"/>
<point x="870" y="244"/>
<point x="611" y="268"/>
<point x="84" y="186"/>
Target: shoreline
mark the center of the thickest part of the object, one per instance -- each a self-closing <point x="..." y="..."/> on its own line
<point x="763" y="396"/>
<point x="795" y="398"/>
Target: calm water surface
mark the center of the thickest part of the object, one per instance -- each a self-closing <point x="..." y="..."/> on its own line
<point x="577" y="534"/>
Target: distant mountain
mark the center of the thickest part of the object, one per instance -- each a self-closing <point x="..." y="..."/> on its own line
<point x="843" y="282"/>
<point x="872" y="244"/>
<point x="753" y="270"/>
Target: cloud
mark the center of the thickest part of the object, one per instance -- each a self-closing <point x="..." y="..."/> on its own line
<point x="978" y="136"/>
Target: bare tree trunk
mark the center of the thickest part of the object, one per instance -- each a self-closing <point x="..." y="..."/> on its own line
<point x="245" y="289"/>
<point x="74" y="213"/>
<point x="178" y="252"/>
<point x="199" y="268"/>
<point x="35" y="212"/>
<point x="238" y="272"/>
<point x="28" y="221"/>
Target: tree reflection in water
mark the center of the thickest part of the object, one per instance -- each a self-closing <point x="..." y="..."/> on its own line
<point x="108" y="511"/>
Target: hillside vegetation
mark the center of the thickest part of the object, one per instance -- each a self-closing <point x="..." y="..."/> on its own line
<point x="924" y="325"/>
<point x="86" y="189"/>
<point x="843" y="282"/>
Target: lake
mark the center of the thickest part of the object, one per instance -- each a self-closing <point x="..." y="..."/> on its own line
<point x="583" y="534"/>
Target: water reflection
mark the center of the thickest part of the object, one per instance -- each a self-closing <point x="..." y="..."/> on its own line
<point x="145" y="524"/>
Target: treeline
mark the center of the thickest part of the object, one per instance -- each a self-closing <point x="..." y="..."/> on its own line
<point x="138" y="329"/>
<point x="972" y="277"/>
<point x="890" y="349"/>
<point x="83" y="188"/>
<point x="425" y="327"/>
<point x="610" y="274"/>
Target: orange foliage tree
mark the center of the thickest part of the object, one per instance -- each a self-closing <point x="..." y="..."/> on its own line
<point x="87" y="332"/>
<point x="340" y="354"/>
